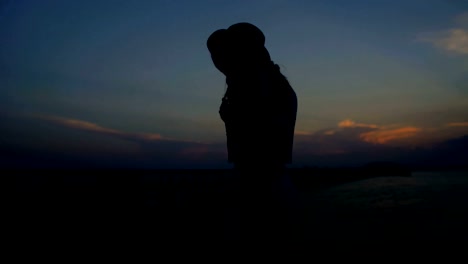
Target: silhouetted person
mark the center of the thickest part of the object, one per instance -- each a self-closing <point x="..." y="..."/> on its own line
<point x="259" y="112"/>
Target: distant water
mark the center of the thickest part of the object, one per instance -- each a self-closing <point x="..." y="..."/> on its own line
<point x="427" y="205"/>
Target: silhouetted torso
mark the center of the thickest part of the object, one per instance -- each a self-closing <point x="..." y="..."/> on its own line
<point x="259" y="112"/>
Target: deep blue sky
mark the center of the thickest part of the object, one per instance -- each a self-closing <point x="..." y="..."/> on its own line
<point x="98" y="80"/>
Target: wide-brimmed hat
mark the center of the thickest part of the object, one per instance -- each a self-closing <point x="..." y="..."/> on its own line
<point x="239" y="35"/>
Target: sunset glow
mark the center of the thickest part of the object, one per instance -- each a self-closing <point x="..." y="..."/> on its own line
<point x="132" y="84"/>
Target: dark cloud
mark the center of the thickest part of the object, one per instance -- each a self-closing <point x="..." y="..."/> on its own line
<point x="51" y="142"/>
<point x="56" y="142"/>
<point x="323" y="142"/>
<point x="349" y="145"/>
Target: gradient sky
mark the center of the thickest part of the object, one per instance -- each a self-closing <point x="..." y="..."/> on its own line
<point x="131" y="82"/>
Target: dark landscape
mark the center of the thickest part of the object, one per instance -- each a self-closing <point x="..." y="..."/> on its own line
<point x="195" y="204"/>
<point x="121" y="121"/>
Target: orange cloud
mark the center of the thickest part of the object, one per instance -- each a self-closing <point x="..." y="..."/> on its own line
<point x="196" y="151"/>
<point x="148" y="136"/>
<point x="80" y="124"/>
<point x="92" y="127"/>
<point x="383" y="136"/>
<point x="301" y="133"/>
<point x="458" y="124"/>
<point x="350" y="123"/>
<point x="351" y="131"/>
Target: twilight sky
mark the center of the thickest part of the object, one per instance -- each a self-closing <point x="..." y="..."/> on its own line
<point x="130" y="83"/>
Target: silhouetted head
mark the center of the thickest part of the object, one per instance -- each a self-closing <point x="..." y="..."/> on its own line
<point x="239" y="48"/>
<point x="245" y="35"/>
<point x="217" y="45"/>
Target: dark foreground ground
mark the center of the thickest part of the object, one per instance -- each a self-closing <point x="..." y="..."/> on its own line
<point x="186" y="205"/>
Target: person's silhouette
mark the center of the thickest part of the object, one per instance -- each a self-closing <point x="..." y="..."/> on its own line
<point x="259" y="112"/>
